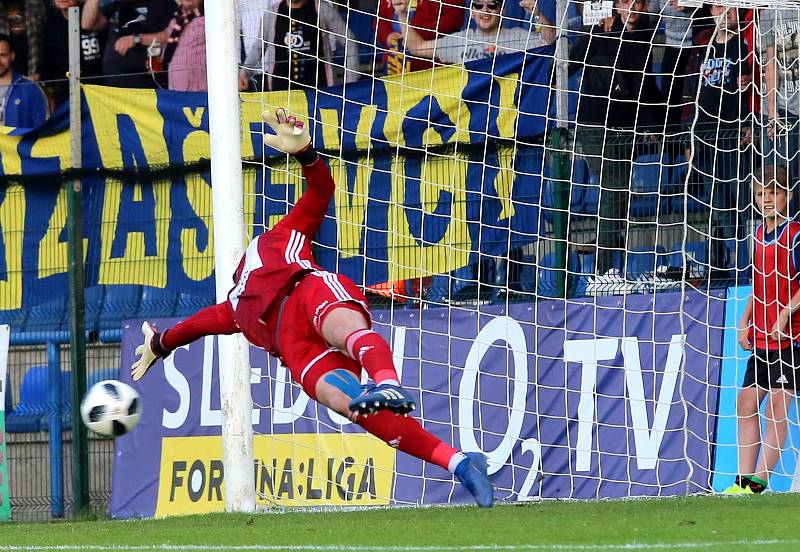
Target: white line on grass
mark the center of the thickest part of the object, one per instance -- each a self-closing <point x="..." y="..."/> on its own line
<point x="346" y="548"/>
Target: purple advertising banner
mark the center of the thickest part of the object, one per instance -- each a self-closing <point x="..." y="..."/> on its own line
<point x="612" y="397"/>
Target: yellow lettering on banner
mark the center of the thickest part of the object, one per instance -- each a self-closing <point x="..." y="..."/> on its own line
<point x="409" y="259"/>
<point x="12" y="227"/>
<point x="284" y="177"/>
<point x="57" y="146"/>
<point x="395" y="111"/>
<point x="406" y="91"/>
<point x="107" y="104"/>
<point x="508" y="110"/>
<point x="194" y="116"/>
<point x="351" y="206"/>
<point x="134" y="267"/>
<point x="504" y="183"/>
<point x="195" y="146"/>
<point x="52" y="258"/>
<point x="291" y="470"/>
<point x="364" y="128"/>
<point x="249" y="176"/>
<point x="254" y="103"/>
<point x="198" y="265"/>
<point x="12" y="164"/>
<point x="330" y="129"/>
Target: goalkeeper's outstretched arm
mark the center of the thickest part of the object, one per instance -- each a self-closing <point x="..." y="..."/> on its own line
<point x="214" y="320"/>
<point x="292" y="137"/>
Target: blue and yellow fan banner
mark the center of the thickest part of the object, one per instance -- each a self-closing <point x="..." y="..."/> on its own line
<point x="430" y="173"/>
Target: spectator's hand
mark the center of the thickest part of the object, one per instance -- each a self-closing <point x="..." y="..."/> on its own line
<point x="780" y="324"/>
<point x="291" y="136"/>
<point x="747" y="137"/>
<point x="775" y="128"/>
<point x="34" y="77"/>
<point x="400" y="8"/>
<point x="244" y="81"/>
<point x="124" y="44"/>
<point x="688" y="154"/>
<point x="528" y="5"/>
<point x="395" y="64"/>
<point x="744" y="81"/>
<point x="393" y="39"/>
<point x="676" y="5"/>
<point x="744" y="339"/>
<point x="607" y="23"/>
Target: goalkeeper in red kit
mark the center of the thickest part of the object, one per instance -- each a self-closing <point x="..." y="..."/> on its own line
<point x="317" y="323"/>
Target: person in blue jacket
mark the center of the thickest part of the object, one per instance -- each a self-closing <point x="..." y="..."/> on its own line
<point x="22" y="101"/>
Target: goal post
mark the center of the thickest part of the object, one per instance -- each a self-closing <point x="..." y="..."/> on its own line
<point x="229" y="245"/>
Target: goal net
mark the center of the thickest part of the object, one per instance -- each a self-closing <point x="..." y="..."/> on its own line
<point x="549" y="205"/>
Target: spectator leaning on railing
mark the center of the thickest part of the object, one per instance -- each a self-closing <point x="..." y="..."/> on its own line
<point x="56" y="63"/>
<point x="487" y="39"/>
<point x="22" y="102"/>
<point x="132" y="26"/>
<point x="780" y="35"/>
<point x="429" y="18"/>
<point x="299" y="38"/>
<point x="722" y="132"/>
<point x="677" y="22"/>
<point x="618" y="96"/>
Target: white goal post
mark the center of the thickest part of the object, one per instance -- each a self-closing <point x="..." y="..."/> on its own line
<point x="229" y="245"/>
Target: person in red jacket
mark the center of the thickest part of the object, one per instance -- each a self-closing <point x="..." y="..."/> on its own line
<point x="317" y="323"/>
<point x="429" y="18"/>
<point x="770" y="328"/>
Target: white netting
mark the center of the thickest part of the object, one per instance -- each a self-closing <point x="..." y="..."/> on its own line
<point x="556" y="236"/>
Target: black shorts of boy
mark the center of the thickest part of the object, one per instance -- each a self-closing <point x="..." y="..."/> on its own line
<point x="773" y="369"/>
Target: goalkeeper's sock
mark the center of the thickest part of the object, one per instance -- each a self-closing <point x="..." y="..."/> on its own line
<point x="757" y="485"/>
<point x="373" y="353"/>
<point x="406" y="434"/>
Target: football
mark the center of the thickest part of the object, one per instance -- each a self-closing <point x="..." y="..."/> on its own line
<point x="111" y="408"/>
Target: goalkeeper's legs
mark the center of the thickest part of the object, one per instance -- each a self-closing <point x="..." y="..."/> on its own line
<point x="342" y="319"/>
<point x="337" y="388"/>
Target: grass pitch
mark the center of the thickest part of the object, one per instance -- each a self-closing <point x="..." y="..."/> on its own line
<point x="767" y="522"/>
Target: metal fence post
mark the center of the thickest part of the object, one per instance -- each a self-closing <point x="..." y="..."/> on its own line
<point x="77" y="322"/>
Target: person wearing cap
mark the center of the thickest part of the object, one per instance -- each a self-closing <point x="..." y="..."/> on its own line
<point x="486" y="39"/>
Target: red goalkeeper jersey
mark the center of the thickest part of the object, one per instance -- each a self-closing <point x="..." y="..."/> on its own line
<point x="775" y="281"/>
<point x="277" y="259"/>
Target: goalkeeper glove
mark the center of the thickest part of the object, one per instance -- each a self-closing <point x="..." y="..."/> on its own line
<point x="149" y="352"/>
<point x="291" y="136"/>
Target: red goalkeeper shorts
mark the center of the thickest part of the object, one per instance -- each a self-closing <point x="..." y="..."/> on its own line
<point x="303" y="349"/>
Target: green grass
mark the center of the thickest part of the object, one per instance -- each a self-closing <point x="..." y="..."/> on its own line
<point x="705" y="523"/>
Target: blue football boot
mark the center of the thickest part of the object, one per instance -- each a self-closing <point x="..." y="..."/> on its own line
<point x="472" y="472"/>
<point x="383" y="397"/>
